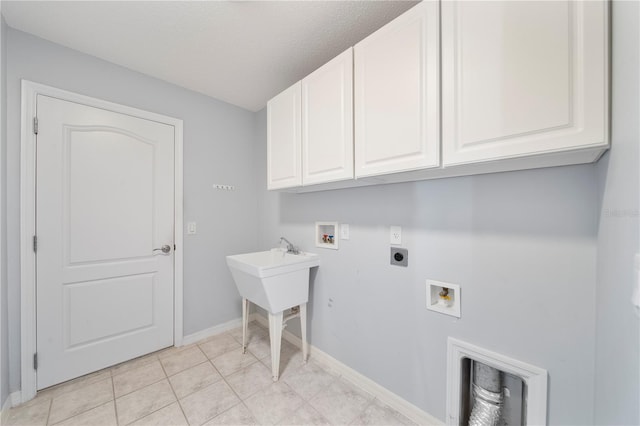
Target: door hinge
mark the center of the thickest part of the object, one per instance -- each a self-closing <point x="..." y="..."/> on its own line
<point x="35" y="125"/>
<point x="35" y="244"/>
<point x="35" y="361"/>
<point x="174" y="247"/>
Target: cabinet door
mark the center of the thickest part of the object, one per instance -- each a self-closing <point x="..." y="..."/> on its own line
<point x="327" y="122"/>
<point x="396" y="80"/>
<point x="522" y="78"/>
<point x="284" y="140"/>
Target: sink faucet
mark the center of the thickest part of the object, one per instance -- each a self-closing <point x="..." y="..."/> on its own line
<point x="290" y="247"/>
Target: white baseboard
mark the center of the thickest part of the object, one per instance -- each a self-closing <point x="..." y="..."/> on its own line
<point x="381" y="393"/>
<point x="16" y="398"/>
<point x="4" y="414"/>
<point x="13" y="399"/>
<point x="212" y="331"/>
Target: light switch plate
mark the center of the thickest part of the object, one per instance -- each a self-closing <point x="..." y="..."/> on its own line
<point x="191" y="228"/>
<point x="395" y="235"/>
<point x="344" y="231"/>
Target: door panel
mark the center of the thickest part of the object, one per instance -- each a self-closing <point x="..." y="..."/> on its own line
<point x="105" y="191"/>
<point x="327" y="122"/>
<point x="94" y="300"/>
<point x="522" y="78"/>
<point x="98" y="209"/>
<point x="284" y="159"/>
<point x="396" y="86"/>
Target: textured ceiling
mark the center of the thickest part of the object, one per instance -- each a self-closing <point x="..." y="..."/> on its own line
<point x="241" y="52"/>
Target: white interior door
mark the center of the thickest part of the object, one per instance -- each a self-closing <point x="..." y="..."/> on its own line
<point x="105" y="202"/>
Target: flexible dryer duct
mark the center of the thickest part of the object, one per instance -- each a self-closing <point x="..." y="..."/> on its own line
<point x="487" y="395"/>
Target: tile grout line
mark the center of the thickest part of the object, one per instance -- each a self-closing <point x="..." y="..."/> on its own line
<point x="240" y="369"/>
<point x="72" y="382"/>
<point x="280" y="380"/>
<point x="224" y="379"/>
<point x="84" y="411"/>
<point x="308" y="401"/>
<point x="115" y="406"/>
<point x="61" y="385"/>
<point x="249" y="411"/>
<point x="156" y="358"/>
<point x="151" y="384"/>
<point x="174" y="391"/>
<point x="49" y="411"/>
<point x="304" y="401"/>
<point x="335" y="378"/>
<point x="171" y="386"/>
<point x="339" y="376"/>
<point x="194" y="366"/>
<point x="135" y="390"/>
<point x="242" y="400"/>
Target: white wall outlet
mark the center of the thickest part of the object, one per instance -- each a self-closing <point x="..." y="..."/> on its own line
<point x="191" y="228"/>
<point x="395" y="235"/>
<point x="344" y="231"/>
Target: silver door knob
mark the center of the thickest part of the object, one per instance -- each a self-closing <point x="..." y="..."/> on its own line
<point x="165" y="249"/>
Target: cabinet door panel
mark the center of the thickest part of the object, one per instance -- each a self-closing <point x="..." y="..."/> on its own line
<point x="327" y="122"/>
<point x="397" y="94"/>
<point x="522" y="78"/>
<point x="284" y="140"/>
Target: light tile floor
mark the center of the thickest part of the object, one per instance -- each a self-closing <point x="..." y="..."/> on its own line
<point x="209" y="383"/>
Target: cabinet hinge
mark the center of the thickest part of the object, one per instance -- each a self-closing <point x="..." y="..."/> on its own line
<point x="174" y="247"/>
<point x="35" y="361"/>
<point x="35" y="244"/>
<point x="35" y="125"/>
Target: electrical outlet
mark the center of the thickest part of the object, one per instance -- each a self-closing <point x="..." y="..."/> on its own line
<point x="399" y="256"/>
<point x="395" y="235"/>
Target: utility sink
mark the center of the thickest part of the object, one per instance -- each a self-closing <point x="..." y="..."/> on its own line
<point x="274" y="280"/>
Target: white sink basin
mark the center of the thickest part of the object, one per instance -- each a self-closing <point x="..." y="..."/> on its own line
<point x="274" y="280"/>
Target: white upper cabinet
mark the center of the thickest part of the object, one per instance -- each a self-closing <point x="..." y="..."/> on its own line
<point x="522" y="84"/>
<point x="396" y="80"/>
<point x="284" y="140"/>
<point x="327" y="122"/>
<point x="521" y="78"/>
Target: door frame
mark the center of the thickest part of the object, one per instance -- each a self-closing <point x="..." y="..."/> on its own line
<point x="28" y="324"/>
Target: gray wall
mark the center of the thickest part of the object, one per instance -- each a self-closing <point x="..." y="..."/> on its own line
<point x="218" y="148"/>
<point x="617" y="380"/>
<point x="4" y="335"/>
<point x="521" y="245"/>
